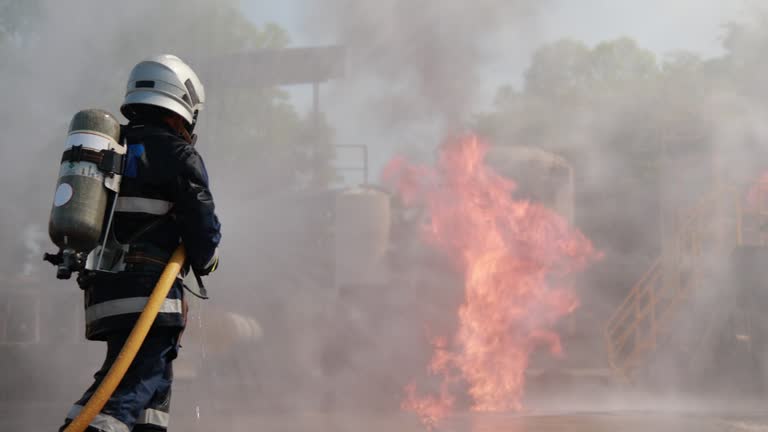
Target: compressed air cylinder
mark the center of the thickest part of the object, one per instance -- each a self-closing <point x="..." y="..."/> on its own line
<point x="362" y="230"/>
<point x="80" y="202"/>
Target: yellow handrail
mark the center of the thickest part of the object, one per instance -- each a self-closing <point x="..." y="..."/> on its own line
<point x="647" y="310"/>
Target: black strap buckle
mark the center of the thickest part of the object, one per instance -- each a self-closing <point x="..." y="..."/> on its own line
<point x="111" y="162"/>
<point x="75" y="153"/>
<point x="108" y="161"/>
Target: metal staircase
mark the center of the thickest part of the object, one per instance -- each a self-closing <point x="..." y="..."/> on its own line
<point x="640" y="324"/>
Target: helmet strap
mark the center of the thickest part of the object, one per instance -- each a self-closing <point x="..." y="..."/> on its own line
<point x="179" y="125"/>
<point x="191" y="127"/>
<point x="186" y="135"/>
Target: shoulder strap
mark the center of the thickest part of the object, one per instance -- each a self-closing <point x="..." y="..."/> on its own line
<point x="108" y="161"/>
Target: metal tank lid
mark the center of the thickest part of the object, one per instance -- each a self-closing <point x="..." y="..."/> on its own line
<point x="368" y="189"/>
<point x="525" y="154"/>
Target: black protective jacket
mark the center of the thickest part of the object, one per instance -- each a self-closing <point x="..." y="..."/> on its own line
<point x="164" y="200"/>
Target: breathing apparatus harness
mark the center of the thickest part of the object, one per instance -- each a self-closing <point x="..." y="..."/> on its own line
<point x="86" y="240"/>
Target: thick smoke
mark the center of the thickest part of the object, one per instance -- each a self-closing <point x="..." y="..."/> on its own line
<point x="414" y="70"/>
<point x="414" y="74"/>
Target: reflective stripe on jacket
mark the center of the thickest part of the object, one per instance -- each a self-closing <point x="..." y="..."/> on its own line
<point x="165" y="187"/>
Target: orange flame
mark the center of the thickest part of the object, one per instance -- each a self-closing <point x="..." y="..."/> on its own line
<point x="756" y="194"/>
<point x="515" y="256"/>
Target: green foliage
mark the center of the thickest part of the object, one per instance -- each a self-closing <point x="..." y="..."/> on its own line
<point x="608" y="109"/>
<point x="611" y="100"/>
<point x="560" y="68"/>
<point x="641" y="132"/>
<point x="570" y="68"/>
<point x="622" y="61"/>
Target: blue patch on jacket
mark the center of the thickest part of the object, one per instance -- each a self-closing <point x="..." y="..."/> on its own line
<point x="135" y="152"/>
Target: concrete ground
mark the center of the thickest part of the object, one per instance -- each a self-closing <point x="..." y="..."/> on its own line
<point x="37" y="418"/>
<point x="588" y="411"/>
<point x="576" y="422"/>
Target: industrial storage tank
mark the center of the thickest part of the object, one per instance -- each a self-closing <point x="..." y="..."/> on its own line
<point x="213" y="335"/>
<point x="541" y="176"/>
<point x="361" y="232"/>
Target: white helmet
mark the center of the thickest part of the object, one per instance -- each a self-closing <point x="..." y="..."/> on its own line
<point x="165" y="81"/>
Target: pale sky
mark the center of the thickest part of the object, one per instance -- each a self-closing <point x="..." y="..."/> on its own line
<point x="660" y="25"/>
<point x="656" y="24"/>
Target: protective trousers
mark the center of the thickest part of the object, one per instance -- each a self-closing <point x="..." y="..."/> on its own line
<point x="141" y="402"/>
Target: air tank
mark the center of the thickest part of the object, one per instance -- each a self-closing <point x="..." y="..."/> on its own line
<point x="82" y="191"/>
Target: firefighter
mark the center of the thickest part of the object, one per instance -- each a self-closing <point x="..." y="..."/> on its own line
<point x="164" y="200"/>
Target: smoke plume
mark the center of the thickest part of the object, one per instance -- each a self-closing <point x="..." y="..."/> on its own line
<point x="414" y="70"/>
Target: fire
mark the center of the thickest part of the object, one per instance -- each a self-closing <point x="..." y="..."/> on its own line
<point x="756" y="194"/>
<point x="516" y="258"/>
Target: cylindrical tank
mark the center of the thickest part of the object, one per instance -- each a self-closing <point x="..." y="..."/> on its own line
<point x="541" y="176"/>
<point x="80" y="201"/>
<point x="361" y="233"/>
<point x="222" y="330"/>
<point x="217" y="335"/>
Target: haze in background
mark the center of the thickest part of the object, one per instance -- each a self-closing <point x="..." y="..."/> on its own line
<point x="414" y="76"/>
<point x="657" y="25"/>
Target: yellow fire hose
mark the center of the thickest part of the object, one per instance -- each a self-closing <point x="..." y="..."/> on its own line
<point x="132" y="344"/>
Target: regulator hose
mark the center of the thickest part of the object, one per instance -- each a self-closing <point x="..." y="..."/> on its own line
<point x="132" y="344"/>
